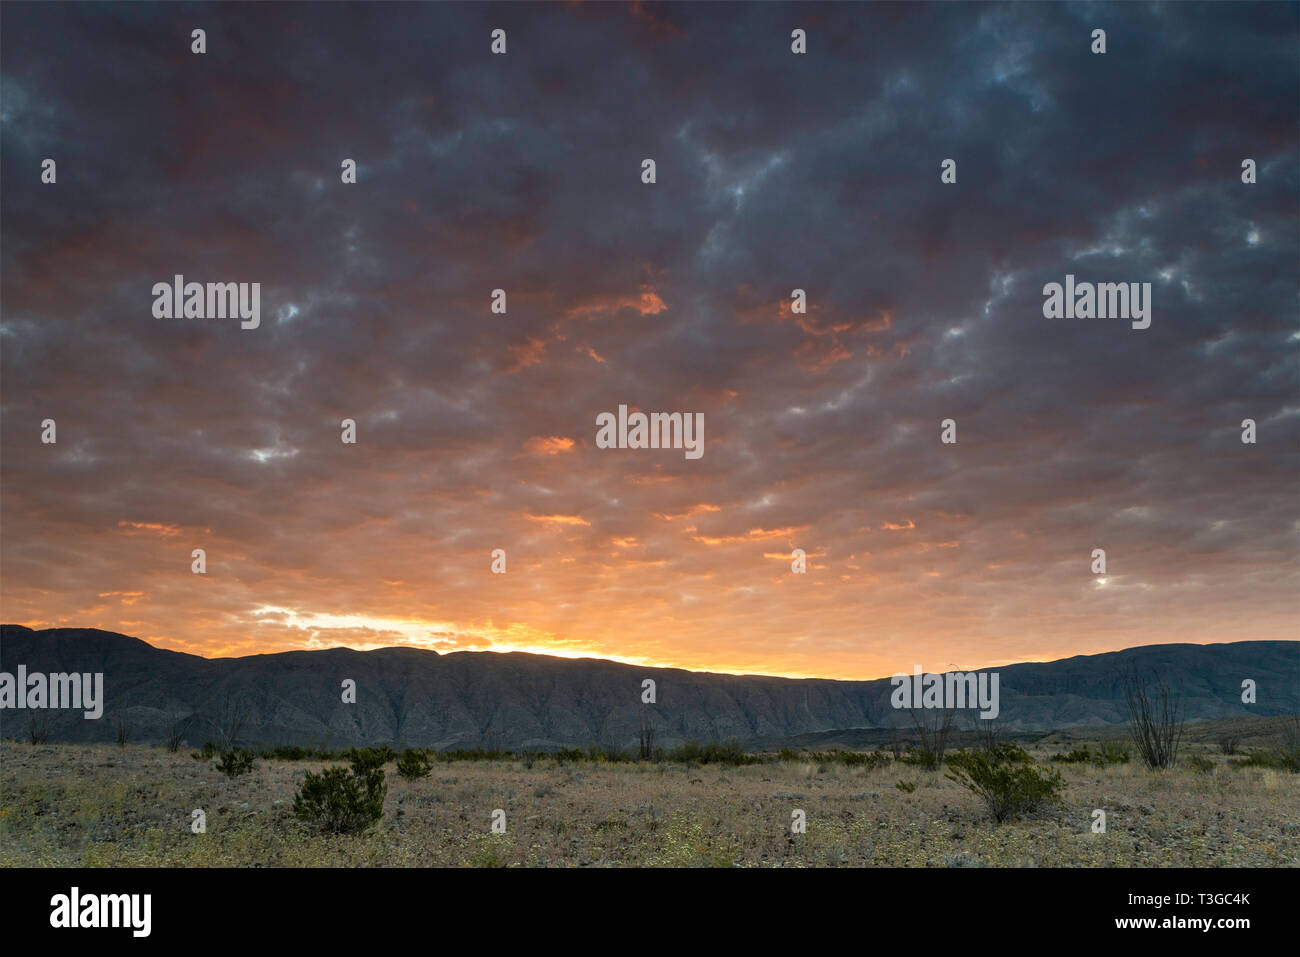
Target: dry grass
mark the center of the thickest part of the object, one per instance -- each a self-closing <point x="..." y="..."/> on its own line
<point x="100" y="805"/>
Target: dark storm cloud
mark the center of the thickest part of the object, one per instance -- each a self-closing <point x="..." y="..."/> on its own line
<point x="775" y="171"/>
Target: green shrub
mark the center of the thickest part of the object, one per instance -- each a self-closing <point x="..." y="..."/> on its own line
<point x="727" y="752"/>
<point x="569" y="756"/>
<point x="1077" y="756"/>
<point x="413" y="765"/>
<point x="1259" y="758"/>
<point x="370" y="758"/>
<point x="920" y="757"/>
<point x="293" y="752"/>
<point x="1113" y="752"/>
<point x="235" y="762"/>
<point x="1200" y="764"/>
<point x="851" y="759"/>
<point x="1008" y="754"/>
<point x="1284" y="757"/>
<point x="474" y="754"/>
<point x="1009" y="785"/>
<point x="343" y="800"/>
<point x="1108" y="752"/>
<point x="907" y="787"/>
<point x="612" y="752"/>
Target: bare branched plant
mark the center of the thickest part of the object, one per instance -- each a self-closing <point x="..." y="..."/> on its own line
<point x="896" y="743"/>
<point x="1155" y="720"/>
<point x="933" y="726"/>
<point x="986" y="733"/>
<point x="232" y="713"/>
<point x="121" y="729"/>
<point x="646" y="738"/>
<point x="38" y="727"/>
<point x="178" y="727"/>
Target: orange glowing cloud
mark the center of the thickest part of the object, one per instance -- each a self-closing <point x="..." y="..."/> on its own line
<point x="151" y="527"/>
<point x="548" y="445"/>
<point x="753" y="535"/>
<point x="785" y="556"/>
<point x="126" y="597"/>
<point x="528" y="354"/>
<point x="822" y="326"/>
<point x="646" y="302"/>
<point x="560" y="519"/>
<point x="693" y="510"/>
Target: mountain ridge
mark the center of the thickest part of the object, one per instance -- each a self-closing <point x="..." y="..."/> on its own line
<point x="519" y="700"/>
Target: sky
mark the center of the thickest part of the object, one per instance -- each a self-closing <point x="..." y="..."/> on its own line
<point x="774" y="171"/>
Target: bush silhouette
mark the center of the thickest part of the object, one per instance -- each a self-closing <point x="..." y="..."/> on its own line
<point x="343" y="800"/>
<point x="413" y="765"/>
<point x="370" y="758"/>
<point x="1008" y="780"/>
<point x="730" y="753"/>
<point x="1108" y="752"/>
<point x="207" y="754"/>
<point x="1077" y="756"/>
<point x="920" y="757"/>
<point x="235" y="762"/>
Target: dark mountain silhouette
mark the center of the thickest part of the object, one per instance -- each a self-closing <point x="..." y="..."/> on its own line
<point x="478" y="699"/>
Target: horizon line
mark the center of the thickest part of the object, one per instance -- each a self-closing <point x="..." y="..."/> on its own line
<point x="634" y="663"/>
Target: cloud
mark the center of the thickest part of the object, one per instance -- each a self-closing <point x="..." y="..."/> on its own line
<point x="548" y="445"/>
<point x="775" y="172"/>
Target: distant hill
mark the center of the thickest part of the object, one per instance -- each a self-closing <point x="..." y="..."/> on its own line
<point x="475" y="699"/>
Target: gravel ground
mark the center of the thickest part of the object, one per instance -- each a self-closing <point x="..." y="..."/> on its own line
<point x="100" y="805"/>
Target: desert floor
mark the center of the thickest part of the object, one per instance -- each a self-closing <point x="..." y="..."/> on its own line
<point x="101" y="805"/>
